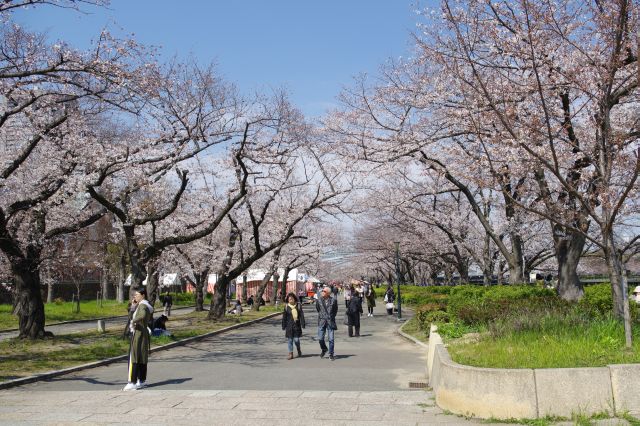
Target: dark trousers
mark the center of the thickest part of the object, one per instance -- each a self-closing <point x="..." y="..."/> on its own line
<point x="138" y="372"/>
<point x="370" y="309"/>
<point x="351" y="327"/>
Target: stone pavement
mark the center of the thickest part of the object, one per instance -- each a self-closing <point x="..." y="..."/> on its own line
<point x="226" y="407"/>
<point x="243" y="377"/>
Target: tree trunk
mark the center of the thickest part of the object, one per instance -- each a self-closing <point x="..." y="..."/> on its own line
<point x="105" y="288"/>
<point x="219" y="299"/>
<point x="516" y="264"/>
<point x="50" y="291"/>
<point x="152" y="283"/>
<point x="138" y="271"/>
<point x="619" y="287"/>
<point x="462" y="265"/>
<point x="261" y="288"/>
<point x="122" y="276"/>
<point x="448" y="277"/>
<point x="283" y="289"/>
<point x="500" y="274"/>
<point x="568" y="252"/>
<point x="28" y="305"/>
<point x="274" y="289"/>
<point x="244" y="288"/>
<point x="202" y="280"/>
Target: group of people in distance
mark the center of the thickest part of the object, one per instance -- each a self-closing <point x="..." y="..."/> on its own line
<point x="327" y="307"/>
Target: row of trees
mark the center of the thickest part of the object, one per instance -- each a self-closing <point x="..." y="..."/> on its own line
<point x="184" y="168"/>
<point x="508" y="139"/>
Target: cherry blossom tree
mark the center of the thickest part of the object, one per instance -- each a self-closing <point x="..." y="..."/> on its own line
<point x="556" y="84"/>
<point x="295" y="182"/>
<point x="50" y="96"/>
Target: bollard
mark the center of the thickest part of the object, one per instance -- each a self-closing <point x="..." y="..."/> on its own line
<point x="101" y="326"/>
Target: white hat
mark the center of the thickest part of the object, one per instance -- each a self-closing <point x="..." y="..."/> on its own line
<point x="637" y="289"/>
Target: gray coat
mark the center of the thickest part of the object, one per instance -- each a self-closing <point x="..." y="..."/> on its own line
<point x="327" y="311"/>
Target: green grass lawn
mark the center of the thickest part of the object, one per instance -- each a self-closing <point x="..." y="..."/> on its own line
<point x="65" y="311"/>
<point x="596" y="344"/>
<point x="20" y="358"/>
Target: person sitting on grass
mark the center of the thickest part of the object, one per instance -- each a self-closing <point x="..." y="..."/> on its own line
<point x="237" y="309"/>
<point x="160" y="326"/>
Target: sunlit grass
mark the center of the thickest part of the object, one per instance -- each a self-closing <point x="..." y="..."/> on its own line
<point x="596" y="344"/>
<point x="66" y="311"/>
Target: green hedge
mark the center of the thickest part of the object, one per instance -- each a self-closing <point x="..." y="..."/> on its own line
<point x="522" y="306"/>
<point x="479" y="305"/>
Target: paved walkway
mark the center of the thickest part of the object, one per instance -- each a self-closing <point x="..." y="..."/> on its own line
<point x="243" y="377"/>
<point x="254" y="358"/>
<point x="225" y="407"/>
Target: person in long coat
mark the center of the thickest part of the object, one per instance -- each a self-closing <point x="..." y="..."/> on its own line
<point x="293" y="323"/>
<point x="370" y="294"/>
<point x="140" y="341"/>
<point x="354" y="310"/>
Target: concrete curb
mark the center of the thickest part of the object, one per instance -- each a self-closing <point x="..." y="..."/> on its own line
<point x="43" y="376"/>
<point x="503" y="393"/>
<point x="410" y="337"/>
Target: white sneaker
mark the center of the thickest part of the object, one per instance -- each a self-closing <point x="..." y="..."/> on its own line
<point x="130" y="386"/>
<point x="141" y="385"/>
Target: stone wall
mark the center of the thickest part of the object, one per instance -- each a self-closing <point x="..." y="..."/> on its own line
<point x="529" y="393"/>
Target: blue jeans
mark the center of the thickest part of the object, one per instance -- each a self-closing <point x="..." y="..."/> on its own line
<point x="290" y="341"/>
<point x="321" y="332"/>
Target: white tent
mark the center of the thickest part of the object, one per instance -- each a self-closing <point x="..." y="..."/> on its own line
<point x="128" y="281"/>
<point x="169" y="280"/>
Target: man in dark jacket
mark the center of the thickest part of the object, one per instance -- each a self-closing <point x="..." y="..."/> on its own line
<point x="327" y="308"/>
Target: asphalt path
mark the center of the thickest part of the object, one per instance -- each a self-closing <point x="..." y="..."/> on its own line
<point x="254" y="358"/>
<point x="92" y="324"/>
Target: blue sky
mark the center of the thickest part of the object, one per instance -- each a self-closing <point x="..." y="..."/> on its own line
<point x="312" y="48"/>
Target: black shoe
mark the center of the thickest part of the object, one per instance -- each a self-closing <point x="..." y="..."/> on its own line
<point x="322" y="354"/>
<point x="331" y="357"/>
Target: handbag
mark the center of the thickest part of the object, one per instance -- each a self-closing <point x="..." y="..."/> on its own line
<point x="386" y="298"/>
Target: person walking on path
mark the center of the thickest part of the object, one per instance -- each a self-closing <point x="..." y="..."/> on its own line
<point x="140" y="341"/>
<point x="347" y="295"/>
<point x="354" y="310"/>
<point x="370" y="295"/>
<point x="327" y="308"/>
<point x="389" y="298"/>
<point x="293" y="323"/>
<point x="167" y="303"/>
<point x="358" y="291"/>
